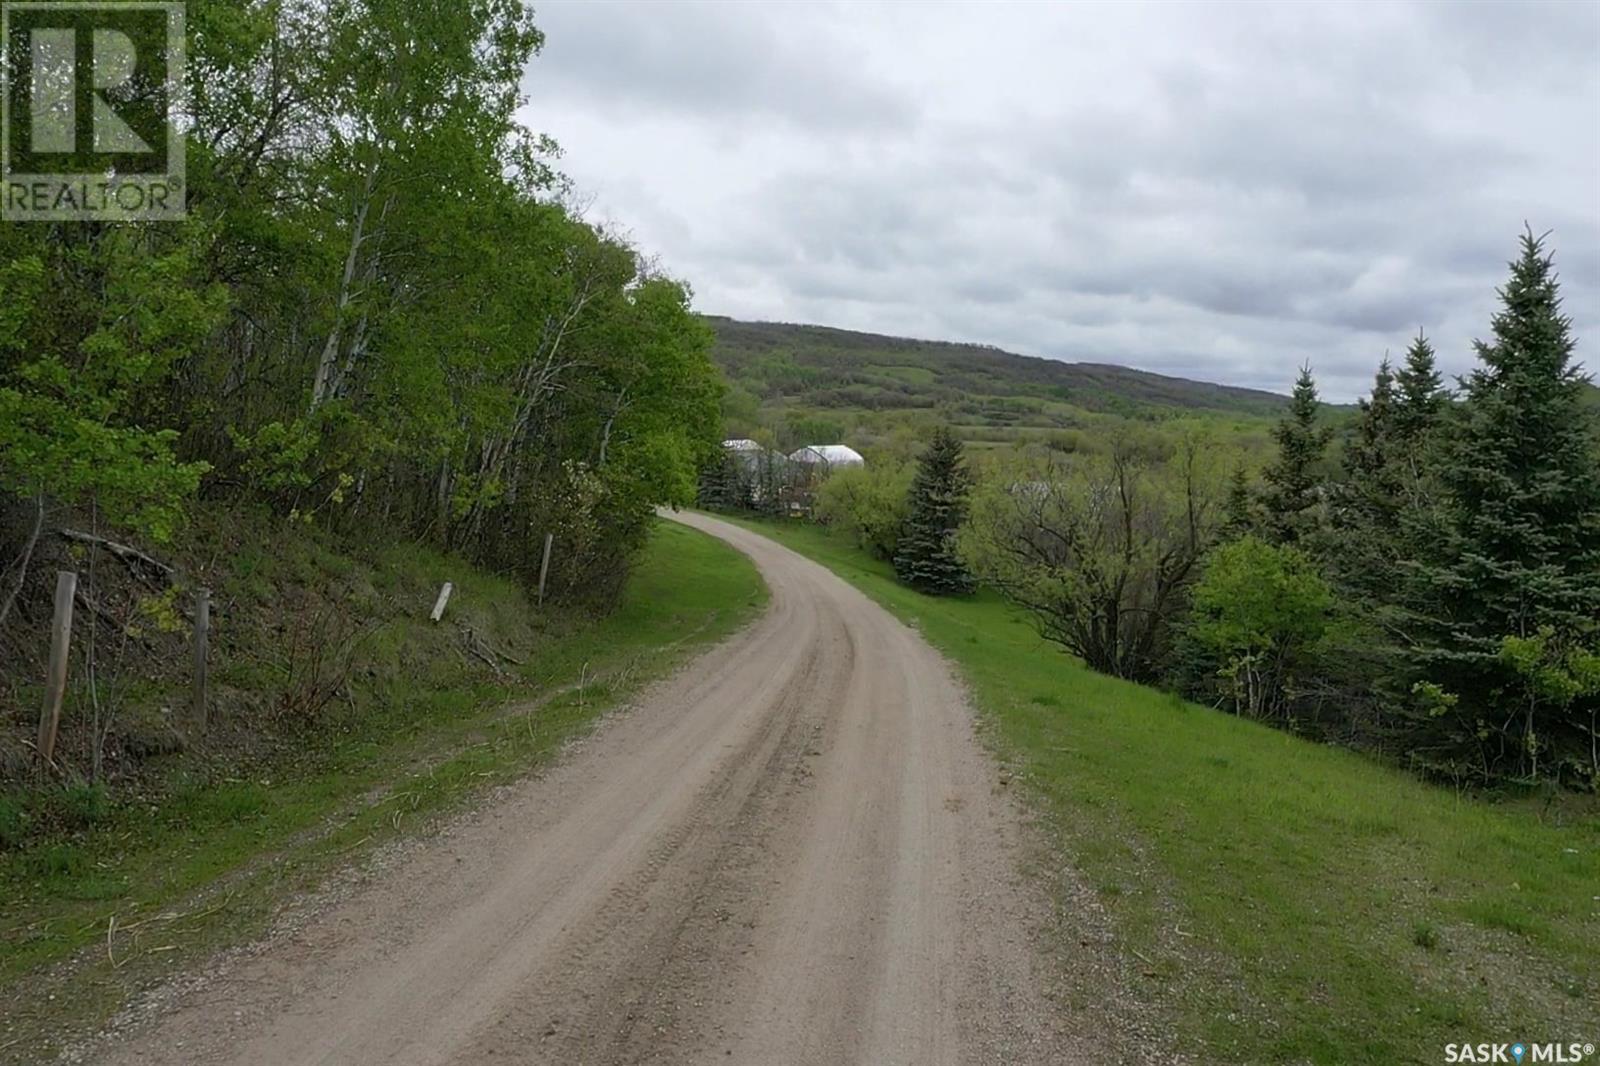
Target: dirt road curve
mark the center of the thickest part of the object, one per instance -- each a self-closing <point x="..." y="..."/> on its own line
<point x="792" y="852"/>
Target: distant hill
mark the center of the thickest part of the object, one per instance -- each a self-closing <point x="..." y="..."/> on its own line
<point x="818" y="378"/>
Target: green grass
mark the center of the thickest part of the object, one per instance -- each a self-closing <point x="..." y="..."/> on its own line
<point x="147" y="888"/>
<point x="1293" y="902"/>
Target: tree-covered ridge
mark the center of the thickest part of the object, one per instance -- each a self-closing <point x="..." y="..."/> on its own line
<point x="379" y="312"/>
<point x="814" y="381"/>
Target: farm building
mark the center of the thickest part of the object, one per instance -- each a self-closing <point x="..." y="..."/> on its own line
<point x="827" y="456"/>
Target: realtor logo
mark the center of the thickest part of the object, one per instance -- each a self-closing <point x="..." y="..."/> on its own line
<point x="89" y="112"/>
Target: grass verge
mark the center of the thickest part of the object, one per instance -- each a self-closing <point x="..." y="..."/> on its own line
<point x="91" y="918"/>
<point x="1292" y="902"/>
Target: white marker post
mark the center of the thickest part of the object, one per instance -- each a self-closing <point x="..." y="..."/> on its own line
<point x="438" y="605"/>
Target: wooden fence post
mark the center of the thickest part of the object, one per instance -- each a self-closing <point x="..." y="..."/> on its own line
<point x="544" y="566"/>
<point x="55" y="688"/>
<point x="202" y="635"/>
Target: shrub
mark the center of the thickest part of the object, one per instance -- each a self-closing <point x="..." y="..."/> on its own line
<point x="1259" y="613"/>
<point x="867" y="502"/>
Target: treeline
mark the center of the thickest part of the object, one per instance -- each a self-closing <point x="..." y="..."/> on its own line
<point x="1423" y="581"/>
<point x="380" y="313"/>
<point x="1438" y="593"/>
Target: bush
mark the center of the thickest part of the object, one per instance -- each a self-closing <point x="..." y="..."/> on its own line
<point x="1259" y="613"/>
<point x="1099" y="549"/>
<point x="867" y="502"/>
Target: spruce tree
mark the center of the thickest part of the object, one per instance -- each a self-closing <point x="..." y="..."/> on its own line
<point x="1368" y="454"/>
<point x="926" y="557"/>
<point x="1419" y="393"/>
<point x="1363" y="552"/>
<point x="1522" y="553"/>
<point x="1239" y="510"/>
<point x="1292" y="478"/>
<point x="720" y="483"/>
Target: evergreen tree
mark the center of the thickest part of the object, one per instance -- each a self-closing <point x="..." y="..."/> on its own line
<point x="1368" y="455"/>
<point x="926" y="557"/>
<point x="1364" y="551"/>
<point x="1522" y="555"/>
<point x="1239" y="510"/>
<point x="1419" y="393"/>
<point x="1292" y="479"/>
<point x="723" y="485"/>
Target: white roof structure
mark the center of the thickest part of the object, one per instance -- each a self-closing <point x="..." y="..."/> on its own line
<point x="743" y="444"/>
<point x="828" y="455"/>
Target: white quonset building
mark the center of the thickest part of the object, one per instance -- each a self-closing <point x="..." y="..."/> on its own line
<point x="828" y="456"/>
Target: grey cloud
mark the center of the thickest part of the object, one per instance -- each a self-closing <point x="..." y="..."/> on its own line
<point x="715" y="61"/>
<point x="1220" y="192"/>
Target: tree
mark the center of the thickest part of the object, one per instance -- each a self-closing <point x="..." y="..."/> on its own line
<point x="1099" y="549"/>
<point x="1241" y="510"/>
<point x="926" y="557"/>
<point x="1293" y="477"/>
<point x="1555" y="677"/>
<point x="1521" y="551"/>
<point x="1420" y="399"/>
<point x="1368" y="455"/>
<point x="724" y="483"/>
<point x="870" y="503"/>
<point x="1259" y="612"/>
<point x="1363" y="550"/>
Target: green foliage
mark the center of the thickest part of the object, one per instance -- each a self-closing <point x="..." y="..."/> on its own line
<point x="1100" y="549"/>
<point x="84" y="805"/>
<point x="1367" y="457"/>
<point x="869" y="503"/>
<point x="1293" y="478"/>
<point x="925" y="557"/>
<point x="809" y="380"/>
<point x="1420" y="398"/>
<point x="1260" y="611"/>
<point x="1555" y="674"/>
<point x="1520" y="550"/>
<point x="83" y="361"/>
<point x="1241" y="511"/>
<point x="379" y="314"/>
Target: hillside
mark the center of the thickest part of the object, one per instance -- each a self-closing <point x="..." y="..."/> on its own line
<point x="342" y="719"/>
<point x="813" y="380"/>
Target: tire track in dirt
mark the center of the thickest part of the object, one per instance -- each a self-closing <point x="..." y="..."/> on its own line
<point x="792" y="852"/>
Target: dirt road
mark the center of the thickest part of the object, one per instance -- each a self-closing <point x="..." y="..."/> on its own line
<point x="792" y="852"/>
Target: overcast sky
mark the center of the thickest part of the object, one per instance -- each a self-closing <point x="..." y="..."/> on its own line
<point x="1213" y="191"/>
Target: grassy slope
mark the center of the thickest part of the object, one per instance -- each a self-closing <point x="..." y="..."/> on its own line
<point x="1294" y="902"/>
<point x="160" y="885"/>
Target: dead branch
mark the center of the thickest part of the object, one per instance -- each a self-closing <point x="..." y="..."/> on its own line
<point x="99" y="611"/>
<point x="133" y="558"/>
<point x="481" y="650"/>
